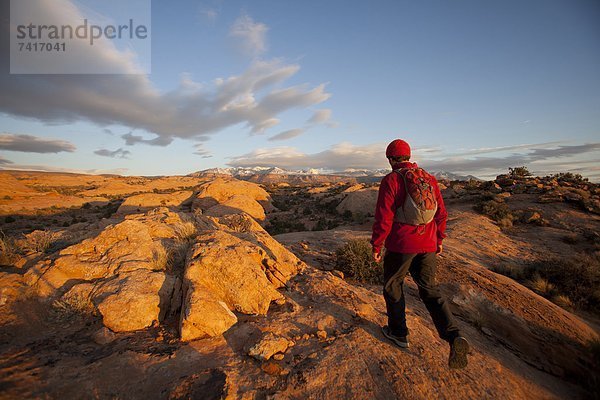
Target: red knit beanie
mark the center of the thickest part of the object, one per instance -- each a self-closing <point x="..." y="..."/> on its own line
<point x="397" y="148"/>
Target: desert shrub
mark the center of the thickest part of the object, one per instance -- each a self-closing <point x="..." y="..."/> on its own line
<point x="496" y="210"/>
<point x="324" y="224"/>
<point x="9" y="250"/>
<point x="519" y="172"/>
<point x="511" y="270"/>
<point x="39" y="241"/>
<point x="472" y="184"/>
<point x="74" y="306"/>
<point x="355" y="260"/>
<point x="237" y="222"/>
<point x="277" y="226"/>
<point x="7" y="197"/>
<point x="282" y="205"/>
<point x="9" y="219"/>
<point x="577" y="277"/>
<point x="569" y="177"/>
<point x="86" y="206"/>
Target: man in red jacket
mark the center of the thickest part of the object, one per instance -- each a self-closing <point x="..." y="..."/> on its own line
<point x="412" y="248"/>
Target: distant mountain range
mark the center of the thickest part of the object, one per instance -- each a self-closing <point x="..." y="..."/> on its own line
<point x="247" y="172"/>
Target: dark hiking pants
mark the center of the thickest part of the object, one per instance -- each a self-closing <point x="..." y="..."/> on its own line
<point x="422" y="268"/>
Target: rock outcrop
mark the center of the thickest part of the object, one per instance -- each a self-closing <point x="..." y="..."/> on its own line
<point x="359" y="201"/>
<point x="147" y="201"/>
<point x="236" y="204"/>
<point x="236" y="268"/>
<point x="221" y="190"/>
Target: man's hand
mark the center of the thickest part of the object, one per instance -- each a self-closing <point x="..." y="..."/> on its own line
<point x="377" y="257"/>
<point x="439" y="250"/>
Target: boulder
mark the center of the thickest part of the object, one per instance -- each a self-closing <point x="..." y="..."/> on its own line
<point x="147" y="201"/>
<point x="135" y="300"/>
<point x="237" y="204"/>
<point x="202" y="316"/>
<point x="129" y="301"/>
<point x="269" y="345"/>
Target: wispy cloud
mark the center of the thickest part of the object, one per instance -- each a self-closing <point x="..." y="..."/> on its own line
<point x="33" y="144"/>
<point x="202" y="152"/>
<point x="292" y="133"/>
<point x="119" y="153"/>
<point x="251" y="35"/>
<point x="208" y="14"/>
<point x="254" y="98"/>
<point x="320" y="116"/>
<point x="48" y="168"/>
<point x="4" y="161"/>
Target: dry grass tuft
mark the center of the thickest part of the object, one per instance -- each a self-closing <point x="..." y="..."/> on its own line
<point x="74" y="306"/>
<point x="160" y="259"/>
<point x="9" y="250"/>
<point x="185" y="231"/>
<point x="541" y="285"/>
<point x="563" y="301"/>
<point x="39" y="241"/>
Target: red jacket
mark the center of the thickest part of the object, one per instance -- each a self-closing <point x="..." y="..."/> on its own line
<point x="403" y="238"/>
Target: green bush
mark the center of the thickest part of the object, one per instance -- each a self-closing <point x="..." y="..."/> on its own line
<point x="355" y="260"/>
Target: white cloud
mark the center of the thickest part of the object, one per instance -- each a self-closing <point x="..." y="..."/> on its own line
<point x="322" y="116"/>
<point x="33" y="144"/>
<point x="292" y="133"/>
<point x="338" y="157"/>
<point x="346" y="155"/>
<point x="252" y="35"/>
<point x="119" y="153"/>
<point x="253" y="98"/>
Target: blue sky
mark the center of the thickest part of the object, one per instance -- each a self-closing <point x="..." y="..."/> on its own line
<point x="474" y="86"/>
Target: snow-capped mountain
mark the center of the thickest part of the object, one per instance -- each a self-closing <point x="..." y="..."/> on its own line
<point x="450" y="176"/>
<point x="243" y="172"/>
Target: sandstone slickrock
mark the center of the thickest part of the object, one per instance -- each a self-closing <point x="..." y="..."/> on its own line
<point x="146" y="201"/>
<point x="240" y="267"/>
<point x="221" y="190"/>
<point x="236" y="204"/>
<point x="127" y="246"/>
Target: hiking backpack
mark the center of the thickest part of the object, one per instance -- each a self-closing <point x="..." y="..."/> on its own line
<point x="420" y="204"/>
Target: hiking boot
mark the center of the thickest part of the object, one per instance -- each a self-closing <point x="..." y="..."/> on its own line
<point x="400" y="341"/>
<point x="459" y="348"/>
